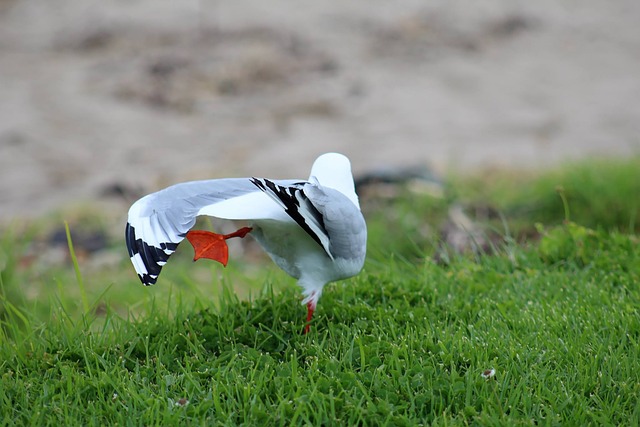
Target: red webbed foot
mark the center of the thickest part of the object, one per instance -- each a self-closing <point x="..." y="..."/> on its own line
<point x="207" y="244"/>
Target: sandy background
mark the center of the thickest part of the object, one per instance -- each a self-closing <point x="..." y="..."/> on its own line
<point x="139" y="94"/>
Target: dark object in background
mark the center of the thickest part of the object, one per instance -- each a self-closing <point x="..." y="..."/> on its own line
<point x="386" y="182"/>
<point x="87" y="241"/>
<point x="118" y="190"/>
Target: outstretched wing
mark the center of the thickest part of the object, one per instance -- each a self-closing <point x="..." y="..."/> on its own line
<point x="157" y="223"/>
<point x="297" y="205"/>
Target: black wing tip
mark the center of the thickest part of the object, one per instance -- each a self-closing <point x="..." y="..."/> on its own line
<point x="291" y="204"/>
<point x="147" y="280"/>
<point x="150" y="255"/>
<point x="259" y="182"/>
<point x="130" y="238"/>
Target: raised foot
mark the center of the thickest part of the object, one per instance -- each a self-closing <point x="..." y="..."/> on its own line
<point x="207" y="244"/>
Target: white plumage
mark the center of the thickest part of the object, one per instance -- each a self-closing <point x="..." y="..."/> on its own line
<point x="312" y="229"/>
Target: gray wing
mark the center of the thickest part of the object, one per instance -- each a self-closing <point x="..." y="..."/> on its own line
<point x="332" y="219"/>
<point x="343" y="222"/>
<point x="157" y="223"/>
<point x="297" y="205"/>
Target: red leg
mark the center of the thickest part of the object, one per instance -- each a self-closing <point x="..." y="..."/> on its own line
<point x="238" y="233"/>
<point x="311" y="307"/>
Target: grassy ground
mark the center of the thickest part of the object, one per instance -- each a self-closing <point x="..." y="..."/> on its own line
<point x="406" y="342"/>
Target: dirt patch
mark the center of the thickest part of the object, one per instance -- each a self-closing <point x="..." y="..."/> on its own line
<point x="137" y="95"/>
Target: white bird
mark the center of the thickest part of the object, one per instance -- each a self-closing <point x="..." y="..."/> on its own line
<point x="312" y="229"/>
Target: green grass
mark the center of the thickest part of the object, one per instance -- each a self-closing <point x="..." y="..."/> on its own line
<point x="404" y="343"/>
<point x="600" y="193"/>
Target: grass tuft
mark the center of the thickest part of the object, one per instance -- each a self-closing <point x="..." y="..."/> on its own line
<point x="76" y="268"/>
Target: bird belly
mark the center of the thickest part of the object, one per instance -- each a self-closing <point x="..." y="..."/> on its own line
<point x="293" y="250"/>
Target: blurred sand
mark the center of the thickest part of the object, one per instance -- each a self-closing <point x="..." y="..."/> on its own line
<point x="144" y="93"/>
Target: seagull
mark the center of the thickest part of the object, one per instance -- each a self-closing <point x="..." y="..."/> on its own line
<point x="313" y="230"/>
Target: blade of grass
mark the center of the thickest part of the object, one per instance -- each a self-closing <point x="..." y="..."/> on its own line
<point x="76" y="266"/>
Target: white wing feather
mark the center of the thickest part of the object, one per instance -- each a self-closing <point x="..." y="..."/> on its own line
<point x="157" y="223"/>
